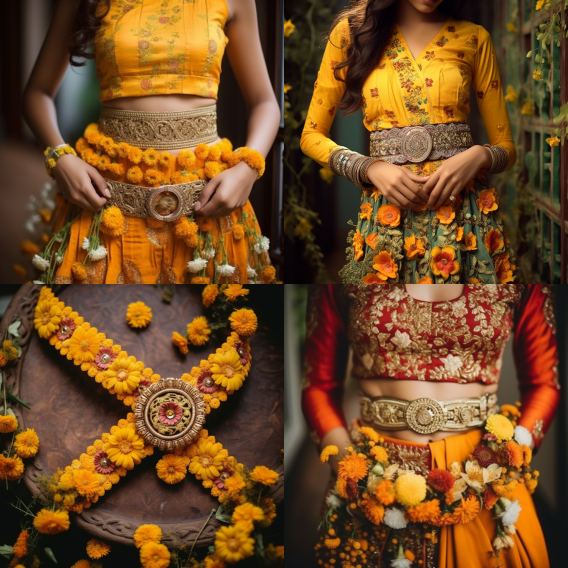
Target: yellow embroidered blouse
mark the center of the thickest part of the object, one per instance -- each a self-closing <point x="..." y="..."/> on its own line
<point x="403" y="91"/>
<point x="158" y="47"/>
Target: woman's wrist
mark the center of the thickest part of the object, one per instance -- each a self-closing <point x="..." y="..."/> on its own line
<point x="483" y="156"/>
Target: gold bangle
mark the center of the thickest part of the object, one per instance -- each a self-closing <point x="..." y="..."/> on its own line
<point x="53" y="154"/>
<point x="253" y="158"/>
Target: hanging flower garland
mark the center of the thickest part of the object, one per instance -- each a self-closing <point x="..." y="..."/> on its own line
<point x="373" y="497"/>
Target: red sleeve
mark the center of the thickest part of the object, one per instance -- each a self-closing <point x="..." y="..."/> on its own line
<point x="325" y="359"/>
<point x="536" y="358"/>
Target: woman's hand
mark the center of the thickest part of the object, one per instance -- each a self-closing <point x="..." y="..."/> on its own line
<point x="398" y="185"/>
<point x="453" y="175"/>
<point x="337" y="437"/>
<point x="227" y="191"/>
<point x="80" y="183"/>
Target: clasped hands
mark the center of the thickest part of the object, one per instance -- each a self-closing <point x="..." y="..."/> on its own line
<point x="400" y="186"/>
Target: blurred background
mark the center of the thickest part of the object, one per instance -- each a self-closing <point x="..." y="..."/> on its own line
<point x="306" y="477"/>
<point x="535" y="191"/>
<point x="23" y="26"/>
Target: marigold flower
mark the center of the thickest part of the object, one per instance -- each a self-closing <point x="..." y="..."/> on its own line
<point x="327" y="452"/>
<point x="427" y="512"/>
<point x="372" y="240"/>
<point x="184" y="228"/>
<point x="366" y="211"/>
<point x="446" y="214"/>
<point x="51" y="522"/>
<point x="514" y="453"/>
<point x="83" y="345"/>
<point x="485" y="456"/>
<point x="82" y="564"/>
<point x="369" y="433"/>
<point x="268" y="275"/>
<point x="264" y="475"/>
<point x="246" y="515"/>
<point x="489" y="499"/>
<point x="97" y="548"/>
<point x="208" y="461"/>
<point x="410" y="489"/>
<point x="150" y="157"/>
<point x="553" y="141"/>
<point x="414" y="247"/>
<point x="244" y="322"/>
<point x="440" y="480"/>
<point x="134" y="175"/>
<point x="332" y="543"/>
<point x="234" y="291"/>
<point x="373" y="279"/>
<point x="470" y="241"/>
<point x="227" y="370"/>
<point x="86" y="482"/>
<point x="385" y="265"/>
<point x="79" y="271"/>
<point x="26" y="443"/>
<point x="389" y="215"/>
<point x="289" y="28"/>
<point x="200" y="280"/>
<point x="11" y="468"/>
<point x="138" y="315"/>
<point x="8" y="424"/>
<point x="47" y="317"/>
<point x="358" y="242"/>
<point x="29" y="248"/>
<point x="234" y="484"/>
<point x="21" y="544"/>
<point x="425" y="280"/>
<point x="443" y="262"/>
<point x="125" y="448"/>
<point x="467" y="511"/>
<point x="511" y="95"/>
<point x="380" y="454"/>
<point x="503" y="268"/>
<point x="233" y="544"/>
<point x="147" y="533"/>
<point x="500" y="426"/>
<point x="384" y="492"/>
<point x="123" y="375"/>
<point x="209" y="294"/>
<point x="371" y="509"/>
<point x="352" y="467"/>
<point x="112" y="221"/>
<point x="171" y="468"/>
<point x="487" y="201"/>
<point x="154" y="555"/>
<point x="198" y="331"/>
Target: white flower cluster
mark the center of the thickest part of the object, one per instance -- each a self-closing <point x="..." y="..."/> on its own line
<point x="37" y="203"/>
<point x="197" y="265"/>
<point x="225" y="270"/>
<point x="262" y="245"/>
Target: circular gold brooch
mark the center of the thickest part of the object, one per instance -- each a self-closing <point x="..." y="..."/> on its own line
<point x="425" y="415"/>
<point x="169" y="414"/>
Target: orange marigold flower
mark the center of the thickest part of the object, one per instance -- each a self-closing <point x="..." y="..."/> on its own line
<point x="527" y="455"/>
<point x="247" y="514"/>
<point x="268" y="275"/>
<point x="366" y="211"/>
<point x="379" y="453"/>
<point x="467" y="511"/>
<point x="332" y="543"/>
<point x="384" y="492"/>
<point x="200" y="280"/>
<point x="352" y="467"/>
<point x="154" y="555"/>
<point x="244" y="322"/>
<point x="389" y="215"/>
<point x="487" y="201"/>
<point x="425" y="280"/>
<point x="97" y="548"/>
<point x="83" y="345"/>
<point x="79" y="271"/>
<point x="82" y="564"/>
<point x="186" y="159"/>
<point x="264" y="475"/>
<point x="414" y="247"/>
<point x="446" y="214"/>
<point x="238" y="232"/>
<point x="210" y="294"/>
<point x="21" y="544"/>
<point x="470" y="241"/>
<point x="147" y="533"/>
<point x="11" y="468"/>
<point x="150" y="157"/>
<point x="26" y="443"/>
<point x="373" y="279"/>
<point x="233" y="544"/>
<point x="234" y="291"/>
<point x="514" y="453"/>
<point x="385" y="265"/>
<point x="171" y="468"/>
<point x="51" y="522"/>
<point x="198" y="331"/>
<point x="459" y="234"/>
<point x="371" y="509"/>
<point x="112" y="221"/>
<point x="86" y="482"/>
<point x="493" y="241"/>
<point x="372" y="240"/>
<point x="125" y="448"/>
<point x="180" y="342"/>
<point x="443" y="262"/>
<point x="134" y="175"/>
<point x="184" y="228"/>
<point x="489" y="499"/>
<point x="426" y="512"/>
<point x="358" y="244"/>
<point x="123" y="375"/>
<point x="440" y="480"/>
<point x="153" y="177"/>
<point x="503" y="268"/>
<point x="47" y="317"/>
<point x="138" y="315"/>
<point x="234" y="484"/>
<point x="327" y="452"/>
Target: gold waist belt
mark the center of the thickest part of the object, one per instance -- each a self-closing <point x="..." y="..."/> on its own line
<point x="161" y="130"/>
<point x="426" y="415"/>
<point x="420" y="143"/>
<point x="165" y="203"/>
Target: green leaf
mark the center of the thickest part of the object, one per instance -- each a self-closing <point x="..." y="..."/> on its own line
<point x="6" y="550"/>
<point x="13" y="328"/>
<point x="259" y="548"/>
<point x="50" y="555"/>
<point x="562" y="113"/>
<point x="223" y="515"/>
<point x="14" y="398"/>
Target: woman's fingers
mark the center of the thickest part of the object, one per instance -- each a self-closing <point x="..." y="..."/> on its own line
<point x="415" y="177"/>
<point x="205" y="196"/>
<point x="99" y="183"/>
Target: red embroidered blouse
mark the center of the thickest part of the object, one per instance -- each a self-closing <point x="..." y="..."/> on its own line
<point x="462" y="340"/>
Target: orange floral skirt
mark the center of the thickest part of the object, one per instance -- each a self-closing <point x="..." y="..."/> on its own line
<point x="229" y="249"/>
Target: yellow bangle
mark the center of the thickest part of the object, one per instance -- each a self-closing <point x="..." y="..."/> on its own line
<point x="252" y="158"/>
<point x="53" y="154"/>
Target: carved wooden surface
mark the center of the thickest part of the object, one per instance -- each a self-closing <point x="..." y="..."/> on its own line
<point x="70" y="410"/>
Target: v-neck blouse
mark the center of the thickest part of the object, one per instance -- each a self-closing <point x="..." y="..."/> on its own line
<point x="402" y="91"/>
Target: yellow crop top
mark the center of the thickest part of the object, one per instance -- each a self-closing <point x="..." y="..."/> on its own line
<point x="159" y="47"/>
<point x="403" y="91"/>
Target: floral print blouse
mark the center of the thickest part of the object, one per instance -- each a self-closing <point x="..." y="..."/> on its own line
<point x="403" y="91"/>
<point x="158" y="47"/>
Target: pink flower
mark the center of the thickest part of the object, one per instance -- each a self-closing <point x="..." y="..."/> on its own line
<point x="66" y="329"/>
<point x="104" y="358"/>
<point x="170" y="413"/>
<point x="146" y="84"/>
<point x="164" y="20"/>
<point x="212" y="46"/>
<point x="103" y="463"/>
<point x="173" y="64"/>
<point x="429" y="82"/>
<point x="243" y="353"/>
<point x="143" y="44"/>
<point x="225" y="474"/>
<point x="205" y="383"/>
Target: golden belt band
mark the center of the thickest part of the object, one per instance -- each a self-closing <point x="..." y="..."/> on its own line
<point x="426" y="415"/>
<point x="164" y="203"/>
<point x="161" y="130"/>
<point x="420" y="143"/>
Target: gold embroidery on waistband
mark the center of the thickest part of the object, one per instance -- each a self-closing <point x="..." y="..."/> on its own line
<point x="412" y="458"/>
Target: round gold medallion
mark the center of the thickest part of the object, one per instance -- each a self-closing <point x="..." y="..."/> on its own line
<point x="169" y="414"/>
<point x="425" y="415"/>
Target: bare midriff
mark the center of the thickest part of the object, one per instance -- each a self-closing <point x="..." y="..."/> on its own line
<point x="161" y="103"/>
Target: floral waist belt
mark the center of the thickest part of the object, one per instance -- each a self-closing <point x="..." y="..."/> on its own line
<point x="420" y="143"/>
<point x="161" y="130"/>
<point x="164" y="203"/>
<point x="426" y="415"/>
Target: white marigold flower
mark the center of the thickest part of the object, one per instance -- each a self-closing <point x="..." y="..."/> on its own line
<point x="225" y="270"/>
<point x="208" y="252"/>
<point x="333" y="501"/>
<point x="40" y="263"/>
<point x="401" y="340"/>
<point x="523" y="436"/>
<point x="503" y="542"/>
<point x="58" y="258"/>
<point x="86" y="244"/>
<point x="394" y="518"/>
<point x="262" y="245"/>
<point x="251" y="273"/>
<point x="196" y="265"/>
<point x="401" y="563"/>
<point x="512" y="510"/>
<point x="98" y="254"/>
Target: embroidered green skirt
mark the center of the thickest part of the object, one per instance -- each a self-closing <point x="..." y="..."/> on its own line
<point x="463" y="242"/>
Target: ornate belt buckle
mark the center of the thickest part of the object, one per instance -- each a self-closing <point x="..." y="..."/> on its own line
<point x="425" y="415"/>
<point x="165" y="203"/>
<point x="416" y="144"/>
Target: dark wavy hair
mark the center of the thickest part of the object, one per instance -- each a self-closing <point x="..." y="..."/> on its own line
<point x="87" y="23"/>
<point x="370" y="26"/>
